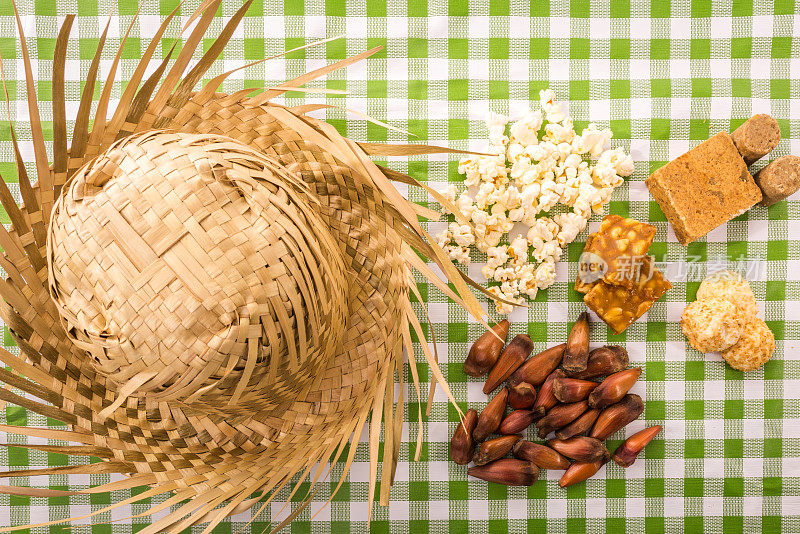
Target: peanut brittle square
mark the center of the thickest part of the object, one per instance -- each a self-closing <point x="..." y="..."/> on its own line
<point x="621" y="243"/>
<point x="649" y="281"/>
<point x="614" y="253"/>
<point x="619" y="306"/>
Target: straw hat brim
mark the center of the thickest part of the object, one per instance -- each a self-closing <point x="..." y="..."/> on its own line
<point x="214" y="464"/>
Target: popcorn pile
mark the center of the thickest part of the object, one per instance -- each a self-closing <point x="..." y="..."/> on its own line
<point x="540" y="165"/>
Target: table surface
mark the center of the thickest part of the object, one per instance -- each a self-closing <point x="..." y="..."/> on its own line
<point x="663" y="77"/>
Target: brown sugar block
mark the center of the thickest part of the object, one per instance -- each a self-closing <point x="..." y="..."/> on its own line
<point x="756" y="137"/>
<point x="703" y="188"/>
<point x="779" y="179"/>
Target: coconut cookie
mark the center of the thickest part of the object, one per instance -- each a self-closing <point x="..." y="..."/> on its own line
<point x="754" y="348"/>
<point x="733" y="287"/>
<point x="712" y="324"/>
<point x="725" y="318"/>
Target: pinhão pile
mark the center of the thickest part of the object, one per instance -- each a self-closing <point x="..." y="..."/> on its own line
<point x="571" y="404"/>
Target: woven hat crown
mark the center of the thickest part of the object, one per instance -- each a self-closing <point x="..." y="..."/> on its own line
<point x="194" y="269"/>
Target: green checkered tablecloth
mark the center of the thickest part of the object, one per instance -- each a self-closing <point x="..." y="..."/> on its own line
<point x="663" y="77"/>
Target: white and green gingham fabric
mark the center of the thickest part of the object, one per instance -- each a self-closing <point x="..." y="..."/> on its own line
<point x="663" y="77"/>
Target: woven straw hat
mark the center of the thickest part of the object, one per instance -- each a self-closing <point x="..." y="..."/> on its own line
<point x="212" y="291"/>
<point x="196" y="270"/>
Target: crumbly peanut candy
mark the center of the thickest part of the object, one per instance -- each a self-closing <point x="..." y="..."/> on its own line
<point x="619" y="306"/>
<point x="622" y="243"/>
<point x="779" y="179"/>
<point x="733" y="287"/>
<point x="712" y="324"/>
<point x="649" y="281"/>
<point x="756" y="137"/>
<point x="754" y="348"/>
<point x="608" y="221"/>
<point x="582" y="287"/>
<point x="705" y="187"/>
